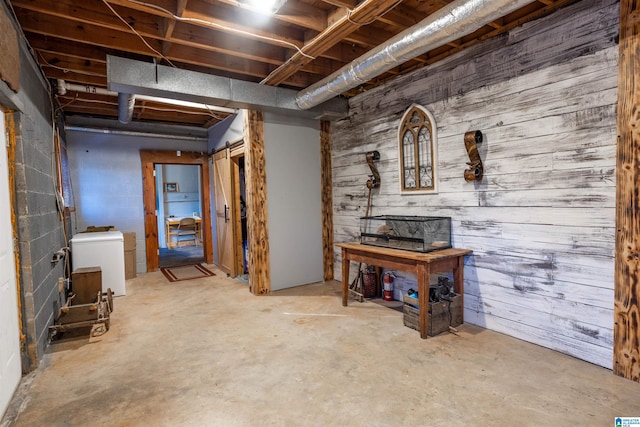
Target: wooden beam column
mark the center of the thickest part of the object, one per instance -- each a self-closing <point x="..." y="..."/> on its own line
<point x="327" y="199"/>
<point x="257" y="218"/>
<point x="626" y="332"/>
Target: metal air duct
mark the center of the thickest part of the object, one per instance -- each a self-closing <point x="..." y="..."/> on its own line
<point x="453" y="21"/>
<point x="126" y="105"/>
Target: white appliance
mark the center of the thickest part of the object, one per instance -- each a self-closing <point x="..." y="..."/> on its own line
<point x="103" y="249"/>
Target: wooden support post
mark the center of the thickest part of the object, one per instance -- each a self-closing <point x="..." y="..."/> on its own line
<point x="257" y="218"/>
<point x="626" y="332"/>
<point x="327" y="199"/>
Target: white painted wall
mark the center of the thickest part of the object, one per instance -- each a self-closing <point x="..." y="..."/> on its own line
<point x="227" y="131"/>
<point x="541" y="223"/>
<point x="106" y="175"/>
<point x="292" y="152"/>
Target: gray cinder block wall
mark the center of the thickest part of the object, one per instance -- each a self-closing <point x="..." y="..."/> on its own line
<point x="40" y="227"/>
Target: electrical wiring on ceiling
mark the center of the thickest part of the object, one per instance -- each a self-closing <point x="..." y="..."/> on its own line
<point x="223" y="27"/>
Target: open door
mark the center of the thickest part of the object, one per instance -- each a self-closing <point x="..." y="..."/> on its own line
<point x="10" y="364"/>
<point x="224" y="206"/>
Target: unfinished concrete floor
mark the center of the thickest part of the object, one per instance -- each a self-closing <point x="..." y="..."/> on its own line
<point x="208" y="353"/>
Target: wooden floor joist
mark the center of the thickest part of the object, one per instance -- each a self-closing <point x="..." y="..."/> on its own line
<point x="626" y="333"/>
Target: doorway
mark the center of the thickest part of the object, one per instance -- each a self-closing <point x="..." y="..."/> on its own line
<point x="10" y="364"/>
<point x="152" y="220"/>
<point x="178" y="189"/>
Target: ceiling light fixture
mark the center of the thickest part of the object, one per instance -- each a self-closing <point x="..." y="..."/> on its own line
<point x="266" y="7"/>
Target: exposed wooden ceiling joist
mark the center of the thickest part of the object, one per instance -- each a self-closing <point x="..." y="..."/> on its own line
<point x="304" y="42"/>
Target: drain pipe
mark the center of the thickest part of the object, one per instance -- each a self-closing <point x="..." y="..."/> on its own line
<point x="453" y="21"/>
<point x="64" y="87"/>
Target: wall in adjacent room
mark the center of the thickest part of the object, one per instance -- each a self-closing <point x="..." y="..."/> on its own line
<point x="541" y="223"/>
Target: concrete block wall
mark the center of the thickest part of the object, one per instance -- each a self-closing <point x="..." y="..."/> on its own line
<point x="40" y="228"/>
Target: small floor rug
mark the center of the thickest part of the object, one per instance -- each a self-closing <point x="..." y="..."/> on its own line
<point x="186" y="272"/>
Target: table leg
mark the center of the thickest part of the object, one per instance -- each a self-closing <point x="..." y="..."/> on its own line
<point x="345" y="277"/>
<point x="423" y="272"/>
<point x="458" y="282"/>
<point x="378" y="281"/>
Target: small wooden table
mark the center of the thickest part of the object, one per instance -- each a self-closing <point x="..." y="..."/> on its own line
<point x="421" y="264"/>
<point x="171" y="222"/>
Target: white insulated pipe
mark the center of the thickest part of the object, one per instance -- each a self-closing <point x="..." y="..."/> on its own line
<point x="453" y="21"/>
<point x="123" y="104"/>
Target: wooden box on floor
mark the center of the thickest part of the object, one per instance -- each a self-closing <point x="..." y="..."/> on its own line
<point x="86" y="282"/>
<point x="440" y="313"/>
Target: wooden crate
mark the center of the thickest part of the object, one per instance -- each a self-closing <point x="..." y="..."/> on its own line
<point x="439" y="315"/>
<point x="86" y="282"/>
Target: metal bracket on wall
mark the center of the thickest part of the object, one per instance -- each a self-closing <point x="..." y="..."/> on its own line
<point x="471" y="141"/>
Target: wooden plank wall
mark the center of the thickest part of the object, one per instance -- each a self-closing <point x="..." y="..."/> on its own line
<point x="541" y="223"/>
<point x="627" y="288"/>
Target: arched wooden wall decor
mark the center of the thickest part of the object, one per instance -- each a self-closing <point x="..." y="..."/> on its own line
<point x="626" y="329"/>
<point x="327" y="199"/>
<point x="418" y="151"/>
<point x="149" y="159"/>
<point x="256" y="187"/>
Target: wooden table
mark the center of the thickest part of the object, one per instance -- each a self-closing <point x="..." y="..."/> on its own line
<point x="421" y="264"/>
<point x="172" y="222"/>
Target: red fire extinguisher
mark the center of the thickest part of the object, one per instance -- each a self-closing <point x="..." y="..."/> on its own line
<point x="387" y="286"/>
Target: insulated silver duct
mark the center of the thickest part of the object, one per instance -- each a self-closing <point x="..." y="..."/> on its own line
<point x="126" y="104"/>
<point x="453" y="21"/>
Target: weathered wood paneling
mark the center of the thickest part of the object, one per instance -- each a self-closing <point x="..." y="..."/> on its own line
<point x="259" y="263"/>
<point x="541" y="222"/>
<point x="327" y="205"/>
<point x="627" y="265"/>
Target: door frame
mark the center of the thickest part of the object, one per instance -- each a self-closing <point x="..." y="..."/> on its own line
<point x="149" y="159"/>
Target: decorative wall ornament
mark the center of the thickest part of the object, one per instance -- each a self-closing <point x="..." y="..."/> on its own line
<point x="471" y="141"/>
<point x="374" y="178"/>
<point x="418" y="151"/>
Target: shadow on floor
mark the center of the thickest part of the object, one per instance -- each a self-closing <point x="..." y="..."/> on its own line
<point x="185" y="255"/>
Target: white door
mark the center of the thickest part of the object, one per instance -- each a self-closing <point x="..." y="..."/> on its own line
<point x="10" y="369"/>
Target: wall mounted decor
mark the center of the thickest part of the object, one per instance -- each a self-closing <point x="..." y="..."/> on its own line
<point x="374" y="178"/>
<point x="170" y="187"/>
<point x="418" y="151"/>
<point x="471" y="141"/>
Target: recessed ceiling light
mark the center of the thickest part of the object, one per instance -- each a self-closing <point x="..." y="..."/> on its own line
<point x="264" y="6"/>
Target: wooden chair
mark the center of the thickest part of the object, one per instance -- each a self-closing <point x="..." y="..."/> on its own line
<point x="187" y="231"/>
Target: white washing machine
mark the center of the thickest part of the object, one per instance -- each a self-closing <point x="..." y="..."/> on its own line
<point x="103" y="249"/>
